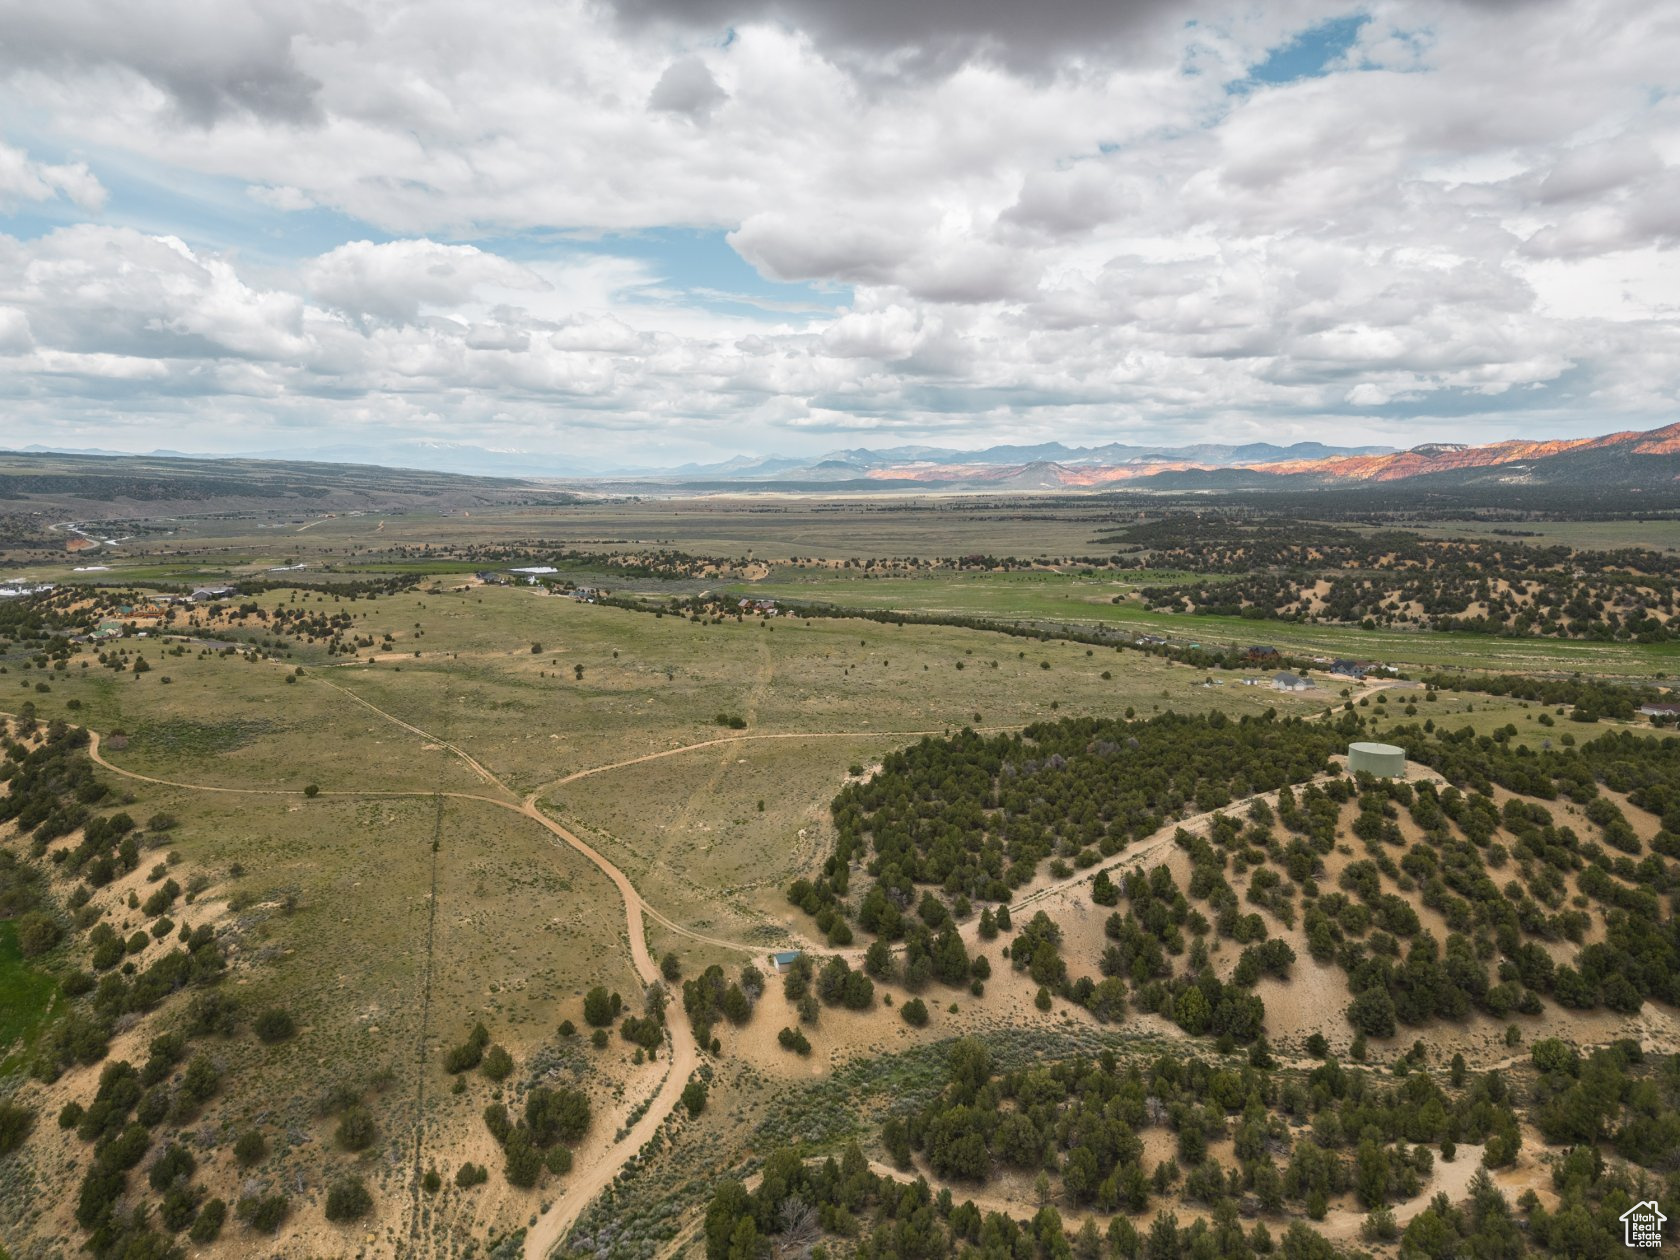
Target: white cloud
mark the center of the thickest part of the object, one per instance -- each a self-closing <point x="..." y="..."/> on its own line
<point x="394" y="281"/>
<point x="887" y="334"/>
<point x="282" y="198"/>
<point x="1048" y="225"/>
<point x="22" y="179"/>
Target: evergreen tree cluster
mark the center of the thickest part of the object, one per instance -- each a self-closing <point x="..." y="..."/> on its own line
<point x="974" y="816"/>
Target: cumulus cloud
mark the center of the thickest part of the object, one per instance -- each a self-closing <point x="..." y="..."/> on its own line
<point x="1057" y="219"/>
<point x="103" y="290"/>
<point x="394" y="281"/>
<point x="208" y="59"/>
<point x="24" y="180"/>
<point x="687" y="87"/>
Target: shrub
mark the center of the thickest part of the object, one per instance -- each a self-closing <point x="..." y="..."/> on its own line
<point x="176" y="1164"/>
<point x="274" y="1025"/>
<point x="498" y="1064"/>
<point x="37" y="933"/>
<point x="470" y="1174"/>
<point x="348" y="1199"/>
<point x="160" y="899"/>
<point x="1372" y="1013"/>
<point x="524" y="1161"/>
<point x="556" y="1115"/>
<point x="208" y="1227"/>
<point x="1379" y="1226"/>
<point x="795" y="1040"/>
<point x="463" y="1058"/>
<point x="201" y="1080"/>
<point x="212" y="1012"/>
<point x="694" y="1097"/>
<point x="264" y="1213"/>
<point x="250" y="1148"/>
<point x="914" y="1012"/>
<point x="597" y="1007"/>
<point x="356" y="1130"/>
<point x="15" y="1124"/>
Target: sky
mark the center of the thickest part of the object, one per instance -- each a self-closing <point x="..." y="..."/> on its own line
<point x="644" y="232"/>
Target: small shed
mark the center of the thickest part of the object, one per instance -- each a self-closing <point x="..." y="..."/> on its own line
<point x="1383" y="760"/>
<point x="782" y="962"/>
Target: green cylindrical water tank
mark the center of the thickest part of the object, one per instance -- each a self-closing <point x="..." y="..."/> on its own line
<point x="1383" y="760"/>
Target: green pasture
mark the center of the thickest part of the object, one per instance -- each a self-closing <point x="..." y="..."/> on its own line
<point x="28" y="997"/>
<point x="1079" y="601"/>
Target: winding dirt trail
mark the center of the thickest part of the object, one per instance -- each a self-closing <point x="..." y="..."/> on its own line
<point x="586" y="1183"/>
<point x="583" y="1185"/>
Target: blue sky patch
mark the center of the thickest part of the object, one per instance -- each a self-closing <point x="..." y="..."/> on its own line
<point x="1309" y="54"/>
<point x="697" y="266"/>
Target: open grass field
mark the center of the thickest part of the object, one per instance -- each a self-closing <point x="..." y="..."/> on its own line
<point x="1486" y="715"/>
<point x="767" y="528"/>
<point x="647" y="684"/>
<point x="1072" y="599"/>
<point x="27" y="998"/>
<point x="771" y="529"/>
<point x="1658" y="535"/>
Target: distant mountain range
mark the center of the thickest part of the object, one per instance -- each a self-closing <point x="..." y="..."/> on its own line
<point x="1631" y="459"/>
<point x="943" y="464"/>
